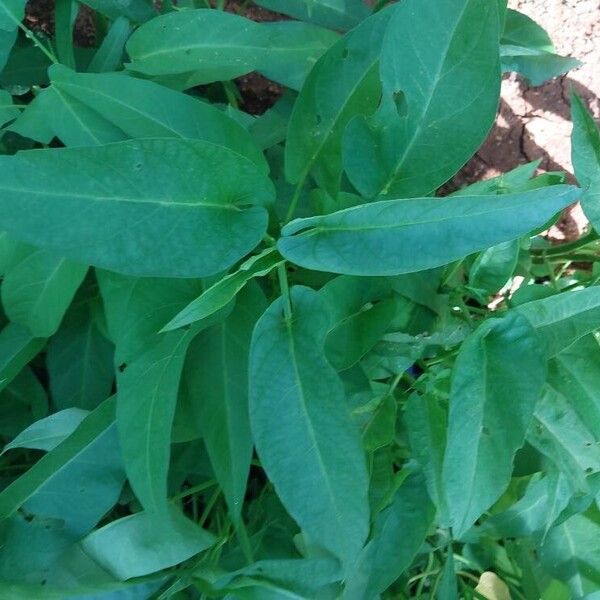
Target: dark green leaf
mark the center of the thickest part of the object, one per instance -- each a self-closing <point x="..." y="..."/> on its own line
<point x="109" y="55"/>
<point x="17" y="348"/>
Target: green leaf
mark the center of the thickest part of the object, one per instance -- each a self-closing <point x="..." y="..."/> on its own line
<point x="427" y="422"/>
<point x="50" y="431"/>
<point x="217" y="379"/>
<point x="521" y="30"/>
<point x="131" y="108"/>
<point x="147" y="395"/>
<point x="80" y="361"/>
<point x="571" y="553"/>
<point x="223" y="291"/>
<point x="196" y="223"/>
<point x="491" y="408"/>
<point x="77" y="481"/>
<point x="302" y="429"/>
<point x="344" y="83"/>
<point x="559" y="433"/>
<point x="396" y="152"/>
<point x="8" y="111"/>
<point x="142" y="543"/>
<point x="335" y="14"/>
<point x="37" y="290"/>
<point x="398" y="533"/>
<point x="231" y="46"/>
<point x="65" y="12"/>
<point x="136" y="308"/>
<point x="380" y="238"/>
<point x="585" y="145"/>
<point x="109" y="56"/>
<point x="17" y="348"/>
<point x="563" y="319"/>
<point x="494" y="267"/>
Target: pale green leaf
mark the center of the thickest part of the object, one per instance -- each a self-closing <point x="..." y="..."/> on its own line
<point x="142" y="543"/>
<point x="50" y="431"/>
<point x="302" y="429"/>
<point x="402" y="236"/>
<point x="196" y="223"/>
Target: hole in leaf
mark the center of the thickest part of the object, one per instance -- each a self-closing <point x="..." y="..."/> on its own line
<point x="401" y="104"/>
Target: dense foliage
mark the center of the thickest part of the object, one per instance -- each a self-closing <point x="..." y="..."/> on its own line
<point x="258" y="357"/>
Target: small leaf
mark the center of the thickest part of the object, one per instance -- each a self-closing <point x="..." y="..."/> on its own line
<point x="221" y="293"/>
<point x="302" y="429"/>
<point x="491" y="408"/>
<point x="196" y="223"/>
<point x="142" y="543"/>
<point x="47" y="433"/>
<point x="490" y="586"/>
<point x="388" y="238"/>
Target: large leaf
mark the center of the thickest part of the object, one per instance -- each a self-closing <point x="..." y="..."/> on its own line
<point x="491" y="408"/>
<point x="230" y="46"/>
<point x="399" y="532"/>
<point x="129" y="108"/>
<point x="217" y="379"/>
<point x="17" y="348"/>
<point x="38" y="289"/>
<point x="563" y="319"/>
<point x="335" y="14"/>
<point x="77" y="481"/>
<point x="80" y="361"/>
<point x="344" y="83"/>
<point x="585" y="149"/>
<point x="147" y="395"/>
<point x="571" y="553"/>
<point x="434" y="56"/>
<point x="135" y="10"/>
<point x="196" y="223"/>
<point x="302" y="429"/>
<point x="402" y="236"/>
<point x="141" y="544"/>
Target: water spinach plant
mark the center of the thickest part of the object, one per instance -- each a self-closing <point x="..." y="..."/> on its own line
<point x="260" y="357"/>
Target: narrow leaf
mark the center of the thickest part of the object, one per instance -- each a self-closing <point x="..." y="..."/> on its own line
<point x="403" y="236"/>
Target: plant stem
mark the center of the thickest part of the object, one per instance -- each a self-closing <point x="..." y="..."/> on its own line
<point x="285" y="292"/>
<point x="194" y="490"/>
<point x="209" y="506"/>
<point x="30" y="35"/>
<point x="245" y="544"/>
<point x="294" y="200"/>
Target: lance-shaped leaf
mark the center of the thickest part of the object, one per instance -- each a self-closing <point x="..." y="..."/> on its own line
<point x="128" y="108"/>
<point x="216" y="375"/>
<point x="344" y="83"/>
<point x="585" y="151"/>
<point x="301" y="424"/>
<point x="109" y="56"/>
<point x="147" y="396"/>
<point x="399" y="532"/>
<point x="37" y="291"/>
<point x="563" y="319"/>
<point x="402" y="236"/>
<point x="143" y="543"/>
<point x="77" y="481"/>
<point x="335" y="14"/>
<point x="440" y="72"/>
<point x="221" y="293"/>
<point x="491" y="408"/>
<point x="230" y="46"/>
<point x="112" y="213"/>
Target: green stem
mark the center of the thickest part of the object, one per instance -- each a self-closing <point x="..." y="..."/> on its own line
<point x="209" y="506"/>
<point x="285" y="292"/>
<point x="295" y="199"/>
<point x="245" y="544"/>
<point x="31" y="36"/>
<point x="194" y="490"/>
